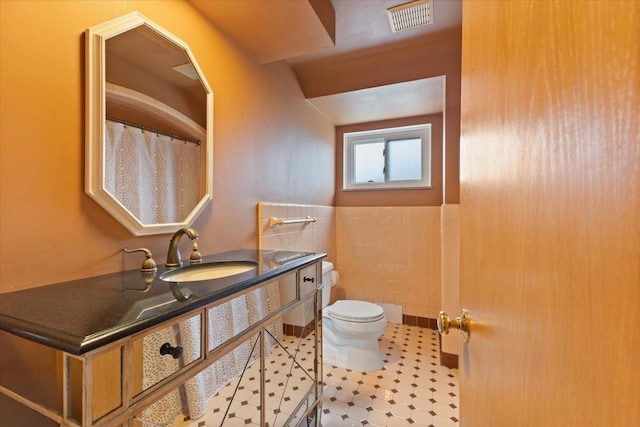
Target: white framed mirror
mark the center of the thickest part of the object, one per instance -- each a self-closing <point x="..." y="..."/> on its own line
<point x="149" y="126"/>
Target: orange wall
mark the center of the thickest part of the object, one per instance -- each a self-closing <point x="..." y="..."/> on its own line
<point x="270" y="144"/>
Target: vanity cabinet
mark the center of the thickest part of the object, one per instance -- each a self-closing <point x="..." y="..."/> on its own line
<point x="230" y="352"/>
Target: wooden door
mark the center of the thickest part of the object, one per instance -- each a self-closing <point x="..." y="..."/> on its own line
<point x="550" y="213"/>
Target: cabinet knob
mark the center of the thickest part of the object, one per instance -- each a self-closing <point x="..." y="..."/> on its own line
<point x="309" y="279"/>
<point x="173" y="351"/>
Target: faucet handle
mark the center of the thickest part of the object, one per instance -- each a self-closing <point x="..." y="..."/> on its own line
<point x="196" y="256"/>
<point x="148" y="265"/>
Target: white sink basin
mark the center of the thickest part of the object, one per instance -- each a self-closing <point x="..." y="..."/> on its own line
<point x="212" y="270"/>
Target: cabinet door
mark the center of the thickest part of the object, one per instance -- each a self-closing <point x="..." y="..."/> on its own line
<point x="166" y="351"/>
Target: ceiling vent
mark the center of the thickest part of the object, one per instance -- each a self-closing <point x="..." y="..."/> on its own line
<point x="410" y="15"/>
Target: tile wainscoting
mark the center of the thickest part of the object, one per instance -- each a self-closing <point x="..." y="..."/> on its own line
<point x="391" y="255"/>
<point x="319" y="236"/>
<point x="398" y="255"/>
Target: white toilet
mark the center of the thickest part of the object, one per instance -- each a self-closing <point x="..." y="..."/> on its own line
<point x="350" y="329"/>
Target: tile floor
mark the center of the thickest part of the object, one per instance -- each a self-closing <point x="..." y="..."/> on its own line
<point x="412" y="389"/>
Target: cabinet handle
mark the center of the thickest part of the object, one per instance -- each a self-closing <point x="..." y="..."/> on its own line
<point x="173" y="351"/>
<point x="309" y="279"/>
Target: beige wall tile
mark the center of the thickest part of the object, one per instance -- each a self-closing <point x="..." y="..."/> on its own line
<point x="319" y="236"/>
<point x="398" y="255"/>
<point x="393" y="253"/>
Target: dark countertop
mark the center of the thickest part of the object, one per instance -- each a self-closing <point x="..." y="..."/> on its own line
<point x="82" y="315"/>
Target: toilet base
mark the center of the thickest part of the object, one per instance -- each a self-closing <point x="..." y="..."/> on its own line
<point x="356" y="355"/>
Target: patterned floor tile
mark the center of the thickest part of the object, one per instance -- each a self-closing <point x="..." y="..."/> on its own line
<point x="411" y="389"/>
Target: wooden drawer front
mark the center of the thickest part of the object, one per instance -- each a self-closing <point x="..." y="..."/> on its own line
<point x="309" y="279"/>
<point x="165" y="351"/>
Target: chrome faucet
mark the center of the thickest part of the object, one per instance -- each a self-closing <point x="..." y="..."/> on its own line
<point x="173" y="255"/>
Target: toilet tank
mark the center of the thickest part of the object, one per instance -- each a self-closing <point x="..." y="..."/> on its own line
<point x="327" y="273"/>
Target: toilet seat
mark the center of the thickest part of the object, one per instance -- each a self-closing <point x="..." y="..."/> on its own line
<point x="355" y="311"/>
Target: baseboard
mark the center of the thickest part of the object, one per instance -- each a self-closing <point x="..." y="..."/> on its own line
<point x="298" y="331"/>
<point x="449" y="360"/>
<point x="423" y="322"/>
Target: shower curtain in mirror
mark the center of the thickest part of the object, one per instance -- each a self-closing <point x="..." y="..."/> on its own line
<point x="152" y="175"/>
<point x="224" y="322"/>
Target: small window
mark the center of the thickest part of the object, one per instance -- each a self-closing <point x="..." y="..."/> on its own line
<point x="388" y="158"/>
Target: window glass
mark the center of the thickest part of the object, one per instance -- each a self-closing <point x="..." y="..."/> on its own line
<point x="369" y="162"/>
<point x="404" y="159"/>
<point x="388" y="158"/>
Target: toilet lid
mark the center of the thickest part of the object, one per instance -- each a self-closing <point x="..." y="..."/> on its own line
<point x="355" y="311"/>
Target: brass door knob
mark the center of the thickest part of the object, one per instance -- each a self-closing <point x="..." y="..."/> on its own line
<point x="461" y="323"/>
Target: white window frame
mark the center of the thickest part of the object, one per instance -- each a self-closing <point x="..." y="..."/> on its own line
<point x="351" y="139"/>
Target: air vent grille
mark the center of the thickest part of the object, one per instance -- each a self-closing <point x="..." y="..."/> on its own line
<point x="410" y="15"/>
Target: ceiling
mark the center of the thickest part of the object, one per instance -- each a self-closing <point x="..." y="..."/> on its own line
<point x="317" y="35"/>
<point x="144" y="62"/>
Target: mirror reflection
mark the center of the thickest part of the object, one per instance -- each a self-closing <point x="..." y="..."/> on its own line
<point x="291" y="375"/>
<point x="149" y="126"/>
<point x="259" y="359"/>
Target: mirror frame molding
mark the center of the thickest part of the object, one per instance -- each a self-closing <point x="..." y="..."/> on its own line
<point x="95" y="117"/>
